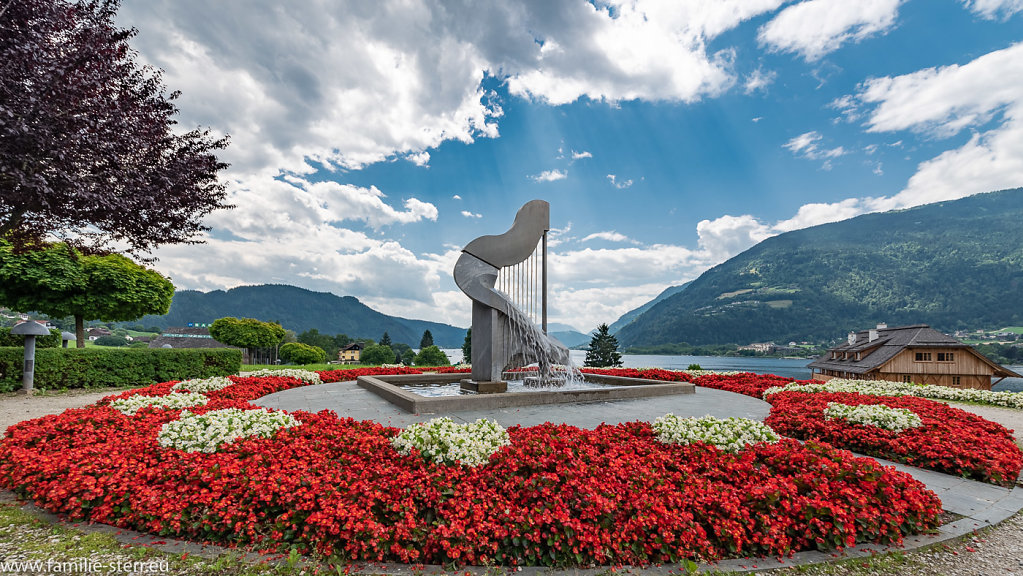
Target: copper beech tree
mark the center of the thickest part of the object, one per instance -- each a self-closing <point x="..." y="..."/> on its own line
<point x="88" y="147"/>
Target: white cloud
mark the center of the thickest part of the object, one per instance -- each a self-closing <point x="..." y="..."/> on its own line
<point x="992" y="9"/>
<point x="814" y="28"/>
<point x="808" y="146"/>
<point x="549" y="176"/>
<point x="420" y="159"/>
<point x="456" y="197"/>
<point x="468" y="214"/>
<point x="581" y="155"/>
<point x="610" y="236"/>
<point x="759" y="80"/>
<point x="617" y="183"/>
<point x="942" y="102"/>
<point x="756" y="119"/>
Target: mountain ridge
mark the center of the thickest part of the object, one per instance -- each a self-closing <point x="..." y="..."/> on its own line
<point x="952" y="264"/>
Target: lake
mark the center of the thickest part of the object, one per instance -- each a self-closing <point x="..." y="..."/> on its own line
<point x="789" y="367"/>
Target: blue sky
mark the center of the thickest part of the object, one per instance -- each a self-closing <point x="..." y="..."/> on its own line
<point x="371" y="141"/>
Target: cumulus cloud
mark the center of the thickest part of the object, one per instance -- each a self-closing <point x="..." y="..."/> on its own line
<point x="814" y="28"/>
<point x="610" y="236"/>
<point x="420" y="159"/>
<point x="581" y="155"/>
<point x="942" y="102"/>
<point x="549" y="176"/>
<point x="620" y="184"/>
<point x="808" y="146"/>
<point x="468" y="214"/>
<point x="992" y="9"/>
<point x="456" y="197"/>
<point x="758" y="80"/>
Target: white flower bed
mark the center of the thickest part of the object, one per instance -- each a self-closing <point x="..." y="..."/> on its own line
<point x="894" y="419"/>
<point x="204" y="384"/>
<point x="886" y="388"/>
<point x="730" y="434"/>
<point x="133" y="404"/>
<point x="207" y="432"/>
<point x="446" y="442"/>
<point x="304" y="375"/>
<point x="697" y="373"/>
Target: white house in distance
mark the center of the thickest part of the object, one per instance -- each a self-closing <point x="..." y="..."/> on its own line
<point x="917" y="354"/>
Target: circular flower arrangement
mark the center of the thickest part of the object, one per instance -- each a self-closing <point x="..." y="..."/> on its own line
<point x="729" y="434"/>
<point x="553" y="495"/>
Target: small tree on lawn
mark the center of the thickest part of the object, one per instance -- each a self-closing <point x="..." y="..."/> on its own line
<point x="426" y="341"/>
<point x="603" y="350"/>
<point x="298" y="353"/>
<point x="248" y="333"/>
<point x="432" y="356"/>
<point x="58" y="281"/>
<point x="376" y="354"/>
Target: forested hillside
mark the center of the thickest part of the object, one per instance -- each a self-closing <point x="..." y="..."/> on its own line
<point x="954" y="264"/>
<point x="299" y="309"/>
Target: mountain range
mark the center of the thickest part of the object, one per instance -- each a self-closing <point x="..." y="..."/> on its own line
<point x="299" y="309"/>
<point x="954" y="265"/>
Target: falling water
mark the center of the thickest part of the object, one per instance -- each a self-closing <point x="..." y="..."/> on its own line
<point x="553" y="362"/>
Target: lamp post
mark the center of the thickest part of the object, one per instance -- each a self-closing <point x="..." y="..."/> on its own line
<point x="66" y="337"/>
<point x="29" y="330"/>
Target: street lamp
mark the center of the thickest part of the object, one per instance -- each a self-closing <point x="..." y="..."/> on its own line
<point x="29" y="330"/>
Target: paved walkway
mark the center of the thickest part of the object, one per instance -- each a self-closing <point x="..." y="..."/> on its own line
<point x="978" y="503"/>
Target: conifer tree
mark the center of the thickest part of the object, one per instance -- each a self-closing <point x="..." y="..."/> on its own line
<point x="427" y="340"/>
<point x="385" y="340"/>
<point x="603" y="350"/>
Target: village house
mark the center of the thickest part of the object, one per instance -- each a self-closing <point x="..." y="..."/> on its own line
<point x="350" y="354"/>
<point x="917" y="354"/>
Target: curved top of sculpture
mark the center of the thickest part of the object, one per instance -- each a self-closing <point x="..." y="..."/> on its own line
<point x="515" y="245"/>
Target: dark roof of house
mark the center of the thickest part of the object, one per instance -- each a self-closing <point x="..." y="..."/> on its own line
<point x="186" y="337"/>
<point x="888" y="343"/>
<point x="354" y="346"/>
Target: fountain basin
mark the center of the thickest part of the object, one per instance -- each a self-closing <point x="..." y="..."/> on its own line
<point x="389" y="387"/>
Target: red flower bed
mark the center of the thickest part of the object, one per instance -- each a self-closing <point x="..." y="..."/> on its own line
<point x="949" y="440"/>
<point x="746" y="383"/>
<point x="558" y="495"/>
<point x="354" y="373"/>
<point x="648" y="374"/>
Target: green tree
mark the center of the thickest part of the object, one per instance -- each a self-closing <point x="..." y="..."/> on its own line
<point x="432" y="356"/>
<point x="298" y="353"/>
<point x="111" y="341"/>
<point x="408" y="357"/>
<point x="325" y="342"/>
<point x="375" y="355"/>
<point x="426" y="341"/>
<point x="400" y="348"/>
<point x="603" y="350"/>
<point x="58" y="281"/>
<point x="385" y="340"/>
<point x="248" y="333"/>
<point x="467" y="347"/>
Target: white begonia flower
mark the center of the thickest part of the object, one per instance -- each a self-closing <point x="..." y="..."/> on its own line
<point x="204" y="384"/>
<point x="133" y="404"/>
<point x="886" y="388"/>
<point x="443" y="441"/>
<point x="207" y="432"/>
<point x="894" y="419"/>
<point x="729" y="434"/>
<point x="303" y="375"/>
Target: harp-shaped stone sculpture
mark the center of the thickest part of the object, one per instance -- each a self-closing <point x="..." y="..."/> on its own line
<point x="506" y="278"/>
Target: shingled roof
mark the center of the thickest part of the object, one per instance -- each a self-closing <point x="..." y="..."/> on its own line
<point x="887" y="344"/>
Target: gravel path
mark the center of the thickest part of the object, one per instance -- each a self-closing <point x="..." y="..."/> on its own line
<point x="994" y="552"/>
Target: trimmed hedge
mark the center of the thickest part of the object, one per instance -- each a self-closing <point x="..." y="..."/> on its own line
<point x="51" y="341"/>
<point x="59" y="368"/>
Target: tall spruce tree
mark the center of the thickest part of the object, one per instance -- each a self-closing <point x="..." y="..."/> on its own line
<point x="427" y="340"/>
<point x="603" y="350"/>
<point x="385" y="340"/>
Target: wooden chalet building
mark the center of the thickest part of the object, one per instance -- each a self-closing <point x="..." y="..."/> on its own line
<point x="917" y="354"/>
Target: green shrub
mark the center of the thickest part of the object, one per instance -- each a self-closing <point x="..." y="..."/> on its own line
<point x="376" y="355"/>
<point x="59" y="368"/>
<point x="51" y="341"/>
<point x="432" y="356"/>
<point x="299" y="353"/>
<point x="111" y="341"/>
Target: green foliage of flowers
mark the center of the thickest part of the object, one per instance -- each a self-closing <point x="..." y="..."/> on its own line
<point x="729" y="434"/>
<point x="445" y="442"/>
<point x="133" y="404"/>
<point x="886" y="388"/>
<point x="303" y="375"/>
<point x="204" y="384"/>
<point x="894" y="419"/>
<point x="207" y="432"/>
